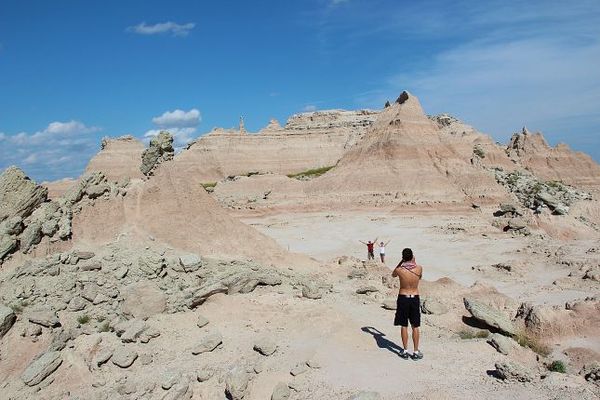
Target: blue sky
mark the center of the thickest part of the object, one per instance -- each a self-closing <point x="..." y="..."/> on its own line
<point x="72" y="72"/>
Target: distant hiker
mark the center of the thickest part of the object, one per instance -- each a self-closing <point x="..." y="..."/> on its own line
<point x="382" y="250"/>
<point x="408" y="305"/>
<point x="370" y="244"/>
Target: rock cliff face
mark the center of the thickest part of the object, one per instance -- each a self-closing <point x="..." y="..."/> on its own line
<point x="118" y="159"/>
<point x="560" y="163"/>
<point x="308" y="140"/>
<point x="408" y="156"/>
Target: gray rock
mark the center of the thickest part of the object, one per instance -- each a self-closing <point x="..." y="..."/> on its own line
<point x="7" y="319"/>
<point x="265" y="346"/>
<point x="170" y="379"/>
<point x="121" y="272"/>
<point x="300" y="368"/>
<point x="91" y="266"/>
<point x="190" y="262"/>
<point x="517" y="224"/>
<point x="204" y="374"/>
<point x="366" y="290"/>
<point x="180" y="391"/>
<point x="124" y="357"/>
<point x="434" y="307"/>
<point x="490" y="316"/>
<point x="47" y="318"/>
<point x="511" y="371"/>
<point x="281" y="392"/>
<point x="41" y="367"/>
<point x="208" y="344"/>
<point x="159" y="150"/>
<point x="502" y="344"/>
<point x="77" y="304"/>
<point x="143" y="300"/>
<point x="204" y="292"/>
<point x="8" y="245"/>
<point x="201" y="321"/>
<point x="95" y="191"/>
<point x="236" y="384"/>
<point x="11" y="226"/>
<point x="365" y="396"/>
<point x="84" y="255"/>
<point x="591" y="372"/>
<point x="19" y="195"/>
<point x="311" y="291"/>
<point x="133" y="331"/>
<point x="151" y="264"/>
<point x="31" y="236"/>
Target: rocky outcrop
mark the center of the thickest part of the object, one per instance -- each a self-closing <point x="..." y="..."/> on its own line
<point x="159" y="150"/>
<point x="560" y="163"/>
<point x="490" y="316"/>
<point x="511" y="371"/>
<point x="19" y="195"/>
<point x="119" y="159"/>
<point x="7" y="319"/>
<point x="536" y="194"/>
<point x="41" y="368"/>
<point x="308" y="140"/>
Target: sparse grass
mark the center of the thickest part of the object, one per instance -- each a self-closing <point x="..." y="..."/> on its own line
<point x="311" y="173"/>
<point x="17" y="308"/>
<point x="83" y="319"/>
<point x="105" y="327"/>
<point x="557" y="366"/>
<point x="478" y="151"/>
<point x="533" y="343"/>
<point x="209" y="185"/>
<point x="100" y="318"/>
<point x="467" y="335"/>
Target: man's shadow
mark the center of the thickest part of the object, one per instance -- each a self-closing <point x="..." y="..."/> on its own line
<point x="381" y="341"/>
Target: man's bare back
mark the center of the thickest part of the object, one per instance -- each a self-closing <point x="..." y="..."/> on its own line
<point x="409" y="279"/>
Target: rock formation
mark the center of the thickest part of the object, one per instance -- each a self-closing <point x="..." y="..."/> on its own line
<point x="159" y="150"/>
<point x="119" y="159"/>
<point x="308" y="140"/>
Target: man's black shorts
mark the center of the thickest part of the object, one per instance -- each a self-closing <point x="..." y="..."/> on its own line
<point x="408" y="309"/>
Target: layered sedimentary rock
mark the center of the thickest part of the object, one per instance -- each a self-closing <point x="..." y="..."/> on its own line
<point x="118" y="159"/>
<point x="308" y="140"/>
<point x="407" y="154"/>
<point x="560" y="163"/>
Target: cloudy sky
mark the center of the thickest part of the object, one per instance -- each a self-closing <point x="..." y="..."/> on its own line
<point x="72" y="72"/>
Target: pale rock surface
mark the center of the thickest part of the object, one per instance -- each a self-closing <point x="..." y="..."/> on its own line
<point x="159" y="151"/>
<point x="511" y="371"/>
<point x="490" y="316"/>
<point x="41" y="368"/>
<point x="119" y="159"/>
<point x="7" y="319"/>
<point x="143" y="300"/>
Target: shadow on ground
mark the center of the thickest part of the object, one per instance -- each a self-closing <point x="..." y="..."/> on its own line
<point x="382" y="341"/>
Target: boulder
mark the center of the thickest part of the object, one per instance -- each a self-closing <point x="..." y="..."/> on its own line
<point x="204" y="374"/>
<point x="299" y="369"/>
<point x="389" y="304"/>
<point x="490" y="316"/>
<point x="434" y="307"/>
<point x="180" y="391"/>
<point x="511" y="371"/>
<point x="7" y="319"/>
<point x="142" y="300"/>
<point x="236" y="383"/>
<point x="124" y="357"/>
<point x="208" y="344"/>
<point x="11" y="226"/>
<point x="281" y="392"/>
<point x="8" y="245"/>
<point x="190" y="262"/>
<point x="265" y="346"/>
<point x="502" y="344"/>
<point x="133" y="331"/>
<point x="41" y="367"/>
<point x="46" y="318"/>
<point x="311" y="291"/>
<point x="31" y="236"/>
<point x="19" y="195"/>
<point x="102" y="357"/>
<point x="591" y="372"/>
<point x="151" y="264"/>
<point x="159" y="150"/>
<point x="95" y="191"/>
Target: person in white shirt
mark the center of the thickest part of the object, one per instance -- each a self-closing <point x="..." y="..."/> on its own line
<point x="382" y="250"/>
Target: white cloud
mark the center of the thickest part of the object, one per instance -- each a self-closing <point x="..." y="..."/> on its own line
<point x="163" y="27"/>
<point x="178" y="118"/>
<point x="183" y="125"/>
<point x="309" y="108"/>
<point x="60" y="149"/>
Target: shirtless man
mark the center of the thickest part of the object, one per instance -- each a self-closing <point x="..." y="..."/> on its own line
<point x="408" y="307"/>
<point x="370" y="245"/>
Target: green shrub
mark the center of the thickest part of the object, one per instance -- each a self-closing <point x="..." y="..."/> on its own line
<point x="311" y="173"/>
<point x="83" y="319"/>
<point x="105" y="327"/>
<point x="478" y="151"/>
<point x="470" y="334"/>
<point x="533" y="343"/>
<point x="208" y="185"/>
<point x="557" y="366"/>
